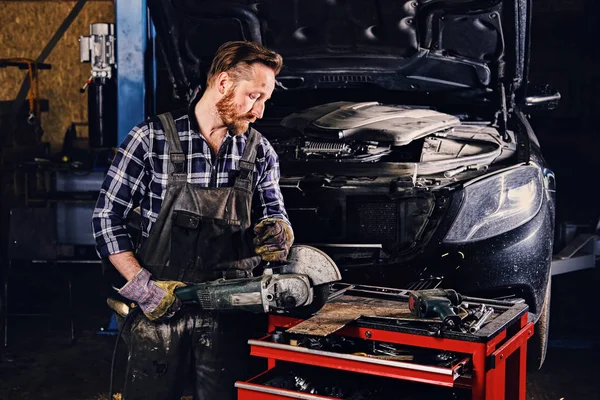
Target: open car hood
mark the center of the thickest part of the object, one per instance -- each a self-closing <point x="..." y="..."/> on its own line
<point x="474" y="47"/>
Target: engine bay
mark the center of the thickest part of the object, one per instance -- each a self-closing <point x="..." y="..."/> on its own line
<point x="371" y="132"/>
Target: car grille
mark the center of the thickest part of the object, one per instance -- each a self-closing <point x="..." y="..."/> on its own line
<point x="373" y="222"/>
<point x="395" y="224"/>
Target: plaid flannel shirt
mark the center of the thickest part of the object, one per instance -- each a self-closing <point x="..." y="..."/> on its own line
<point x="138" y="177"/>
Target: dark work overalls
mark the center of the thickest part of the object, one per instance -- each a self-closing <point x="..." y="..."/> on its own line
<point x="197" y="227"/>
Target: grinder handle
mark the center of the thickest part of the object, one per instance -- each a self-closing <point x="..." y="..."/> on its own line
<point x="187" y="294"/>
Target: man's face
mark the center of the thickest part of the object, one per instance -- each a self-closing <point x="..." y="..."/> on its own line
<point x="244" y="102"/>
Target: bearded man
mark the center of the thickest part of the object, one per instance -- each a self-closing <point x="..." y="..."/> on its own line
<point x="207" y="186"/>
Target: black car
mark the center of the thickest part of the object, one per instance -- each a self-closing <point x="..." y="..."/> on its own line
<point x="404" y="149"/>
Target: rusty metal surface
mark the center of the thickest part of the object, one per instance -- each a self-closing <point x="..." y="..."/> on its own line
<point x="339" y="312"/>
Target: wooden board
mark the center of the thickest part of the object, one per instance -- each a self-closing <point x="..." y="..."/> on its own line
<point x="339" y="312"/>
<point x="25" y="29"/>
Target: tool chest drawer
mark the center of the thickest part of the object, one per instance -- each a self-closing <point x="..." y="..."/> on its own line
<point x="279" y="383"/>
<point x="366" y="357"/>
<point x="366" y="339"/>
<point x="292" y="381"/>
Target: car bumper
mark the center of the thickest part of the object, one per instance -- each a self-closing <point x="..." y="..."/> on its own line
<point x="514" y="264"/>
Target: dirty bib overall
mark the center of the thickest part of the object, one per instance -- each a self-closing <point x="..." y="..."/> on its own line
<point x="197" y="228"/>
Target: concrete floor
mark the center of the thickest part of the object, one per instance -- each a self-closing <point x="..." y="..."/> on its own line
<point x="40" y="363"/>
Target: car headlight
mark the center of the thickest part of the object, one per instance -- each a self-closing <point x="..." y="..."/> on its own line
<point x="497" y="204"/>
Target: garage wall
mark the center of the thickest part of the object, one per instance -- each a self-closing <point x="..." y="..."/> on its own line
<point x="25" y="29"/>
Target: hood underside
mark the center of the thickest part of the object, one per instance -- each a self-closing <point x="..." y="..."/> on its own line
<point x="409" y="45"/>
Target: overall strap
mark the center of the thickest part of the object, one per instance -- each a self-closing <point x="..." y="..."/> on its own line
<point x="247" y="162"/>
<point x="176" y="170"/>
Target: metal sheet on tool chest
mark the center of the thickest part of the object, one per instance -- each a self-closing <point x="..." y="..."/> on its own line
<point x="339" y="312"/>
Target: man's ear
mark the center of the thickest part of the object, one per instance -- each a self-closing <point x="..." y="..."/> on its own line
<point x="223" y="82"/>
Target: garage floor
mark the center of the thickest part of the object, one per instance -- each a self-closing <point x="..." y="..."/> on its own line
<point x="40" y="363"/>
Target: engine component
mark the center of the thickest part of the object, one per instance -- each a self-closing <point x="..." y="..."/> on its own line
<point x="326" y="148"/>
<point x="369" y="122"/>
<point x="359" y="152"/>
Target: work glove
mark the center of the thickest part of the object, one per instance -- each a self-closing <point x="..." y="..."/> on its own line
<point x="155" y="298"/>
<point x="237" y="269"/>
<point x="273" y="240"/>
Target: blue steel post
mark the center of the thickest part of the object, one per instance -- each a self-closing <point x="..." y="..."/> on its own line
<point x="134" y="67"/>
<point x="131" y="37"/>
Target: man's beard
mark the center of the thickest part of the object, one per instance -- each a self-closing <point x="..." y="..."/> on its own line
<point x="235" y="123"/>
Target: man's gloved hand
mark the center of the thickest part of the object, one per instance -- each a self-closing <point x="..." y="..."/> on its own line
<point x="237" y="269"/>
<point x="155" y="298"/>
<point x="273" y="240"/>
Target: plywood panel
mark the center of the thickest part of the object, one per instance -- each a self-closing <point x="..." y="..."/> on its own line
<point x="25" y="29"/>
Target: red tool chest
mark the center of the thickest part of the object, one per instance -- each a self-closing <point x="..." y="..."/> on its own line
<point x="490" y="364"/>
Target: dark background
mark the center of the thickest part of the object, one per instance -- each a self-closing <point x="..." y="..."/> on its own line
<point x="565" y="54"/>
<point x="41" y="363"/>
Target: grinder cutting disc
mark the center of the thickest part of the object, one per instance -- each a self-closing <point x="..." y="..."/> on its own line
<point x="312" y="262"/>
<point x="321" y="270"/>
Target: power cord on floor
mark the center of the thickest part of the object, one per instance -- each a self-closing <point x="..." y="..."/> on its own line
<point x="132" y="313"/>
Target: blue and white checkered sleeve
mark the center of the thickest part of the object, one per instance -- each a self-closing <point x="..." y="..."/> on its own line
<point x="124" y="187"/>
<point x="269" y="200"/>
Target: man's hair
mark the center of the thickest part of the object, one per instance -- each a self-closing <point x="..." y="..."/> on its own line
<point x="235" y="58"/>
